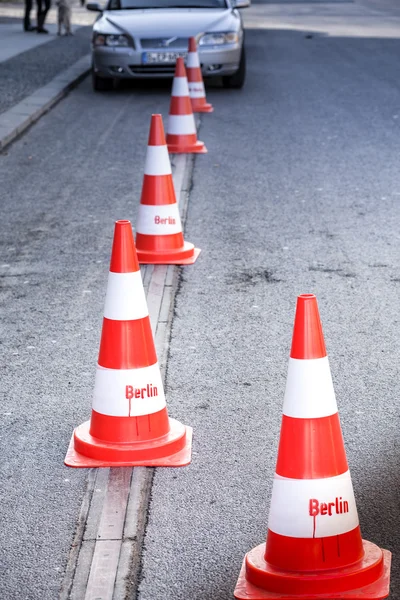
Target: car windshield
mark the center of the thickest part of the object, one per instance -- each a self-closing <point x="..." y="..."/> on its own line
<point x="140" y="4"/>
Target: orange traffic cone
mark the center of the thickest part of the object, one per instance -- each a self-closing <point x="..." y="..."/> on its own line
<point x="195" y="80"/>
<point x="159" y="237"/>
<point x="314" y="547"/>
<point x="129" y="424"/>
<point x="181" y="128"/>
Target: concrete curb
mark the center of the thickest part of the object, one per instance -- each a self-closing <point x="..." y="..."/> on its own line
<point x="17" y="119"/>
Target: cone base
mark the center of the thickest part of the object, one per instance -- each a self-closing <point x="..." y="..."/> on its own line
<point x="181" y="257"/>
<point x="159" y="452"/>
<point x="197" y="148"/>
<point x="204" y="108"/>
<point x="328" y="580"/>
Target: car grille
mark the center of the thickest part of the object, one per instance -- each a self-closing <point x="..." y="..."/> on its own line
<point x="153" y="69"/>
<point x="159" y="43"/>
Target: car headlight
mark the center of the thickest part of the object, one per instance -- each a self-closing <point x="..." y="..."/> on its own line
<point x="217" y="39"/>
<point x="111" y="40"/>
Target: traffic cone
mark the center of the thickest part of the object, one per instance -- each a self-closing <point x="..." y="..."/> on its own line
<point x="314" y="547"/>
<point x="159" y="237"/>
<point x="129" y="425"/>
<point x="195" y="80"/>
<point x="181" y="128"/>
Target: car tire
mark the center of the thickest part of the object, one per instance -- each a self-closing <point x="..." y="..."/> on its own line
<point x="237" y="79"/>
<point x="101" y="84"/>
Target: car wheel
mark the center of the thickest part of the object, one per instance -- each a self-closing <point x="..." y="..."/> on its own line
<point x="237" y="79"/>
<point x="101" y="84"/>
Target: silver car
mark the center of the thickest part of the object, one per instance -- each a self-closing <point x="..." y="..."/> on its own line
<point x="143" y="38"/>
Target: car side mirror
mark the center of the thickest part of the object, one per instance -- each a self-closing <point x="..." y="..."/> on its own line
<point x="240" y="3"/>
<point x="94" y="6"/>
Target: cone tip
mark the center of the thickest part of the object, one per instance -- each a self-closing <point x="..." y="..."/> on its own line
<point x="308" y="339"/>
<point x="156" y="133"/>
<point x="304" y="297"/>
<point x="123" y="253"/>
<point x="192" y="44"/>
<point x="180" y="70"/>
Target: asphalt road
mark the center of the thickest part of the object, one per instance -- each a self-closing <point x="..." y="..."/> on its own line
<point x="64" y="184"/>
<point x="300" y="192"/>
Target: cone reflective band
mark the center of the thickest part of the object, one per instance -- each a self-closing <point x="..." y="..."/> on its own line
<point x="314" y="547"/>
<point x="181" y="128"/>
<point x="195" y="80"/>
<point x="159" y="237"/>
<point x="129" y="425"/>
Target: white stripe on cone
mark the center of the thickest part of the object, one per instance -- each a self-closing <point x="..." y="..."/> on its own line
<point x="157" y="161"/>
<point x="192" y="60"/>
<point x="306" y="508"/>
<point x="158" y="220"/>
<point x="181" y="125"/>
<point x="128" y="392"/>
<point x="180" y="87"/>
<point x="309" y="389"/>
<point x="196" y="89"/>
<point x="125" y="299"/>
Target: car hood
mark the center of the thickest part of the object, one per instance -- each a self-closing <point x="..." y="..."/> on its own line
<point x="169" y="22"/>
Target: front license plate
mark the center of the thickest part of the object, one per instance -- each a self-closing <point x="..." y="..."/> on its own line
<point x="161" y="57"/>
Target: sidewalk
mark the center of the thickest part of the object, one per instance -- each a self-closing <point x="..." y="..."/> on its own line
<point x="14" y="41"/>
<point x="37" y="70"/>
